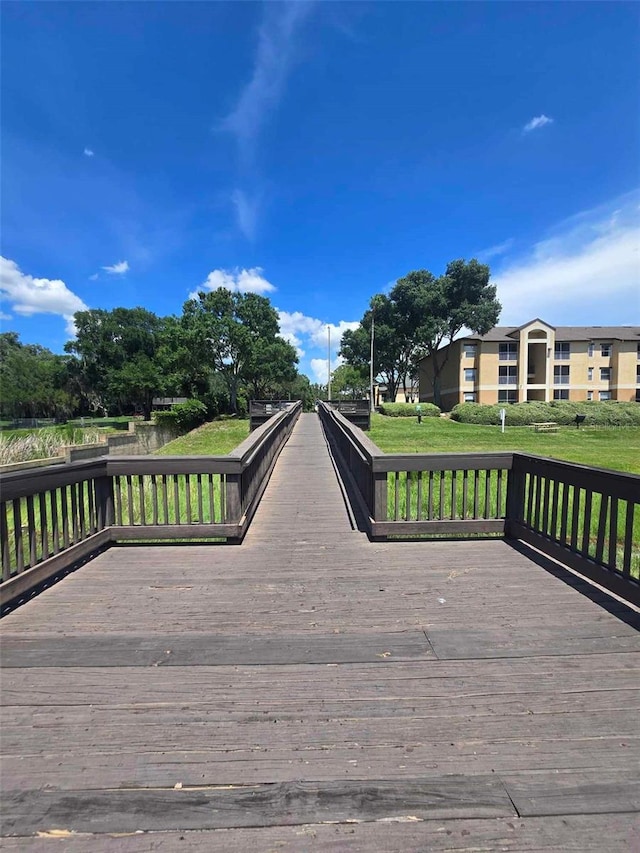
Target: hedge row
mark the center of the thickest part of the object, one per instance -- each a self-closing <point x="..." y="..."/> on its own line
<point x="408" y="410"/>
<point x="610" y="413"/>
<point x="183" y="417"/>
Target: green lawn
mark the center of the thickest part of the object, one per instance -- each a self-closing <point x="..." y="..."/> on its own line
<point x="616" y="448"/>
<point x="212" y="439"/>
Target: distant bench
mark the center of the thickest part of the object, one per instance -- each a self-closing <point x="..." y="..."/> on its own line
<point x="547" y="426"/>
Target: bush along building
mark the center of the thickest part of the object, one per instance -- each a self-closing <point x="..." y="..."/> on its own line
<point x="536" y="362"/>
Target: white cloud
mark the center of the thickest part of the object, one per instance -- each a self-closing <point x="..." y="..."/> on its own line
<point x="587" y="271"/>
<point x="236" y="280"/>
<point x="4" y="316"/>
<point x="319" y="368"/>
<point x="246" y="210"/>
<point x="94" y="277"/>
<point x="28" y="295"/>
<point x="536" y="122"/>
<point x="88" y="152"/>
<point x="273" y="60"/>
<point x="485" y="255"/>
<point x="117" y="269"/>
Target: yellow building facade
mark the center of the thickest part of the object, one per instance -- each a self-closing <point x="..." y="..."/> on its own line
<point x="537" y="361"/>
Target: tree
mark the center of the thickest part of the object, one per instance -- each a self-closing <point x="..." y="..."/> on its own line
<point x="350" y="382"/>
<point x="34" y="382"/>
<point x="437" y="309"/>
<point x="392" y="344"/>
<point x="118" y="362"/>
<point x="236" y="335"/>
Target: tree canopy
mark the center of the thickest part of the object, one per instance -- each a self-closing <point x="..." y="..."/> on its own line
<point x="422" y="313"/>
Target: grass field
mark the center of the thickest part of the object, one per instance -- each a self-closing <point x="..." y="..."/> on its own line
<point x="615" y="448"/>
<point x="212" y="439"/>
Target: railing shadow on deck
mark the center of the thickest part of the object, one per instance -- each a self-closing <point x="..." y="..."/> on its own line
<point x="586" y="518"/>
<point x="56" y="517"/>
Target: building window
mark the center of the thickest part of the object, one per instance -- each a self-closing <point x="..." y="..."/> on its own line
<point x="605" y="374"/>
<point x="562" y="352"/>
<point x="561" y="394"/>
<point x="591" y="349"/>
<point x="605" y="350"/>
<point x="469" y="374"/>
<point x="508" y="375"/>
<point x="589" y="395"/>
<point x="637" y="375"/>
<point x="507" y="396"/>
<point x="604" y="395"/>
<point x="638" y="348"/>
<point x="470" y="349"/>
<point x="508" y="352"/>
<point x="590" y="374"/>
<point x="469" y="396"/>
<point x="561" y="374"/>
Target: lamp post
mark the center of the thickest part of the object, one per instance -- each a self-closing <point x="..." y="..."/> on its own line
<point x="329" y="362"/>
<point x="371" y="400"/>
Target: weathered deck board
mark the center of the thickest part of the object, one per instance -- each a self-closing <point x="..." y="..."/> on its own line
<point x="312" y="665"/>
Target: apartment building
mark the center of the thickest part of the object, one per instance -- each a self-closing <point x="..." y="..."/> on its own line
<point x="538" y="362"/>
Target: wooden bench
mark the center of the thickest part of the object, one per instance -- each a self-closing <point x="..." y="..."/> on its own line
<point x="547" y="426"/>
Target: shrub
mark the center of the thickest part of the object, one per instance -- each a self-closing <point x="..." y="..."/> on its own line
<point x="408" y="410"/>
<point x="183" y="417"/>
<point x="563" y="412"/>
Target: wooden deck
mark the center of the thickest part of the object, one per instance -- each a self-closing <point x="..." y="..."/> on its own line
<point x="311" y="690"/>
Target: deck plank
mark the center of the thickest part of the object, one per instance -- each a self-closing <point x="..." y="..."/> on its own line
<point x="308" y="665"/>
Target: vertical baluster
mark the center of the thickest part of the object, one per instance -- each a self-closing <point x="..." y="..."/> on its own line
<point x="165" y="499"/>
<point x="199" y="488"/>
<point x="64" y="506"/>
<point x="31" y="525"/>
<point x="430" y="498"/>
<point x="564" y="513"/>
<point x="500" y="510"/>
<point x="212" y="513"/>
<point x="223" y="497"/>
<point x="575" y="516"/>
<point x="613" y="533"/>
<point x="91" y="506"/>
<point x="487" y="493"/>
<point x="548" y="484"/>
<point x="465" y="493"/>
<point x="602" y="527"/>
<point x="130" y="500"/>
<point x="44" y="526"/>
<point x="396" y="496"/>
<point x="4" y="539"/>
<point x="586" y="529"/>
<point x="81" y="507"/>
<point x="154" y="499"/>
<point x="117" y="487"/>
<point x="441" y="495"/>
<point x="55" y="524"/>
<point x="407" y="513"/>
<point x="476" y="490"/>
<point x="187" y="491"/>
<point x="74" y="513"/>
<point x="554" y="510"/>
<point x="628" y="538"/>
<point x="17" y="529"/>
<point x="176" y="499"/>
<point x="419" y="512"/>
<point x="454" y="495"/>
<point x="143" y="513"/>
<point x="538" y="486"/>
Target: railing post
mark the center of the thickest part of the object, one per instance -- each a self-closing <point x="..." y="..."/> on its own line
<point x="233" y="498"/>
<point x="104" y="501"/>
<point x="379" y="508"/>
<point x="515" y="497"/>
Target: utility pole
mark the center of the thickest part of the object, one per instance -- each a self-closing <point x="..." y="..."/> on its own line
<point x="329" y="362"/>
<point x="371" y="400"/>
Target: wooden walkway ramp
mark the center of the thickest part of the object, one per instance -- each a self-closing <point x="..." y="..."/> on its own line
<point x="310" y="690"/>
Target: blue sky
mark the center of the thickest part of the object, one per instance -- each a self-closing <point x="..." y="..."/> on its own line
<point x="316" y="152"/>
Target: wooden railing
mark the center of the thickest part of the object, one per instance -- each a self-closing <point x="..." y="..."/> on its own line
<point x="51" y="518"/>
<point x="587" y="518"/>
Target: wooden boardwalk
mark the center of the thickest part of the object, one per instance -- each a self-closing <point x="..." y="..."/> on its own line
<point x="311" y="690"/>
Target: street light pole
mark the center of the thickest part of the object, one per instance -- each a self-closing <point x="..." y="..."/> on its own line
<point x="371" y="400"/>
<point x="329" y="362"/>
